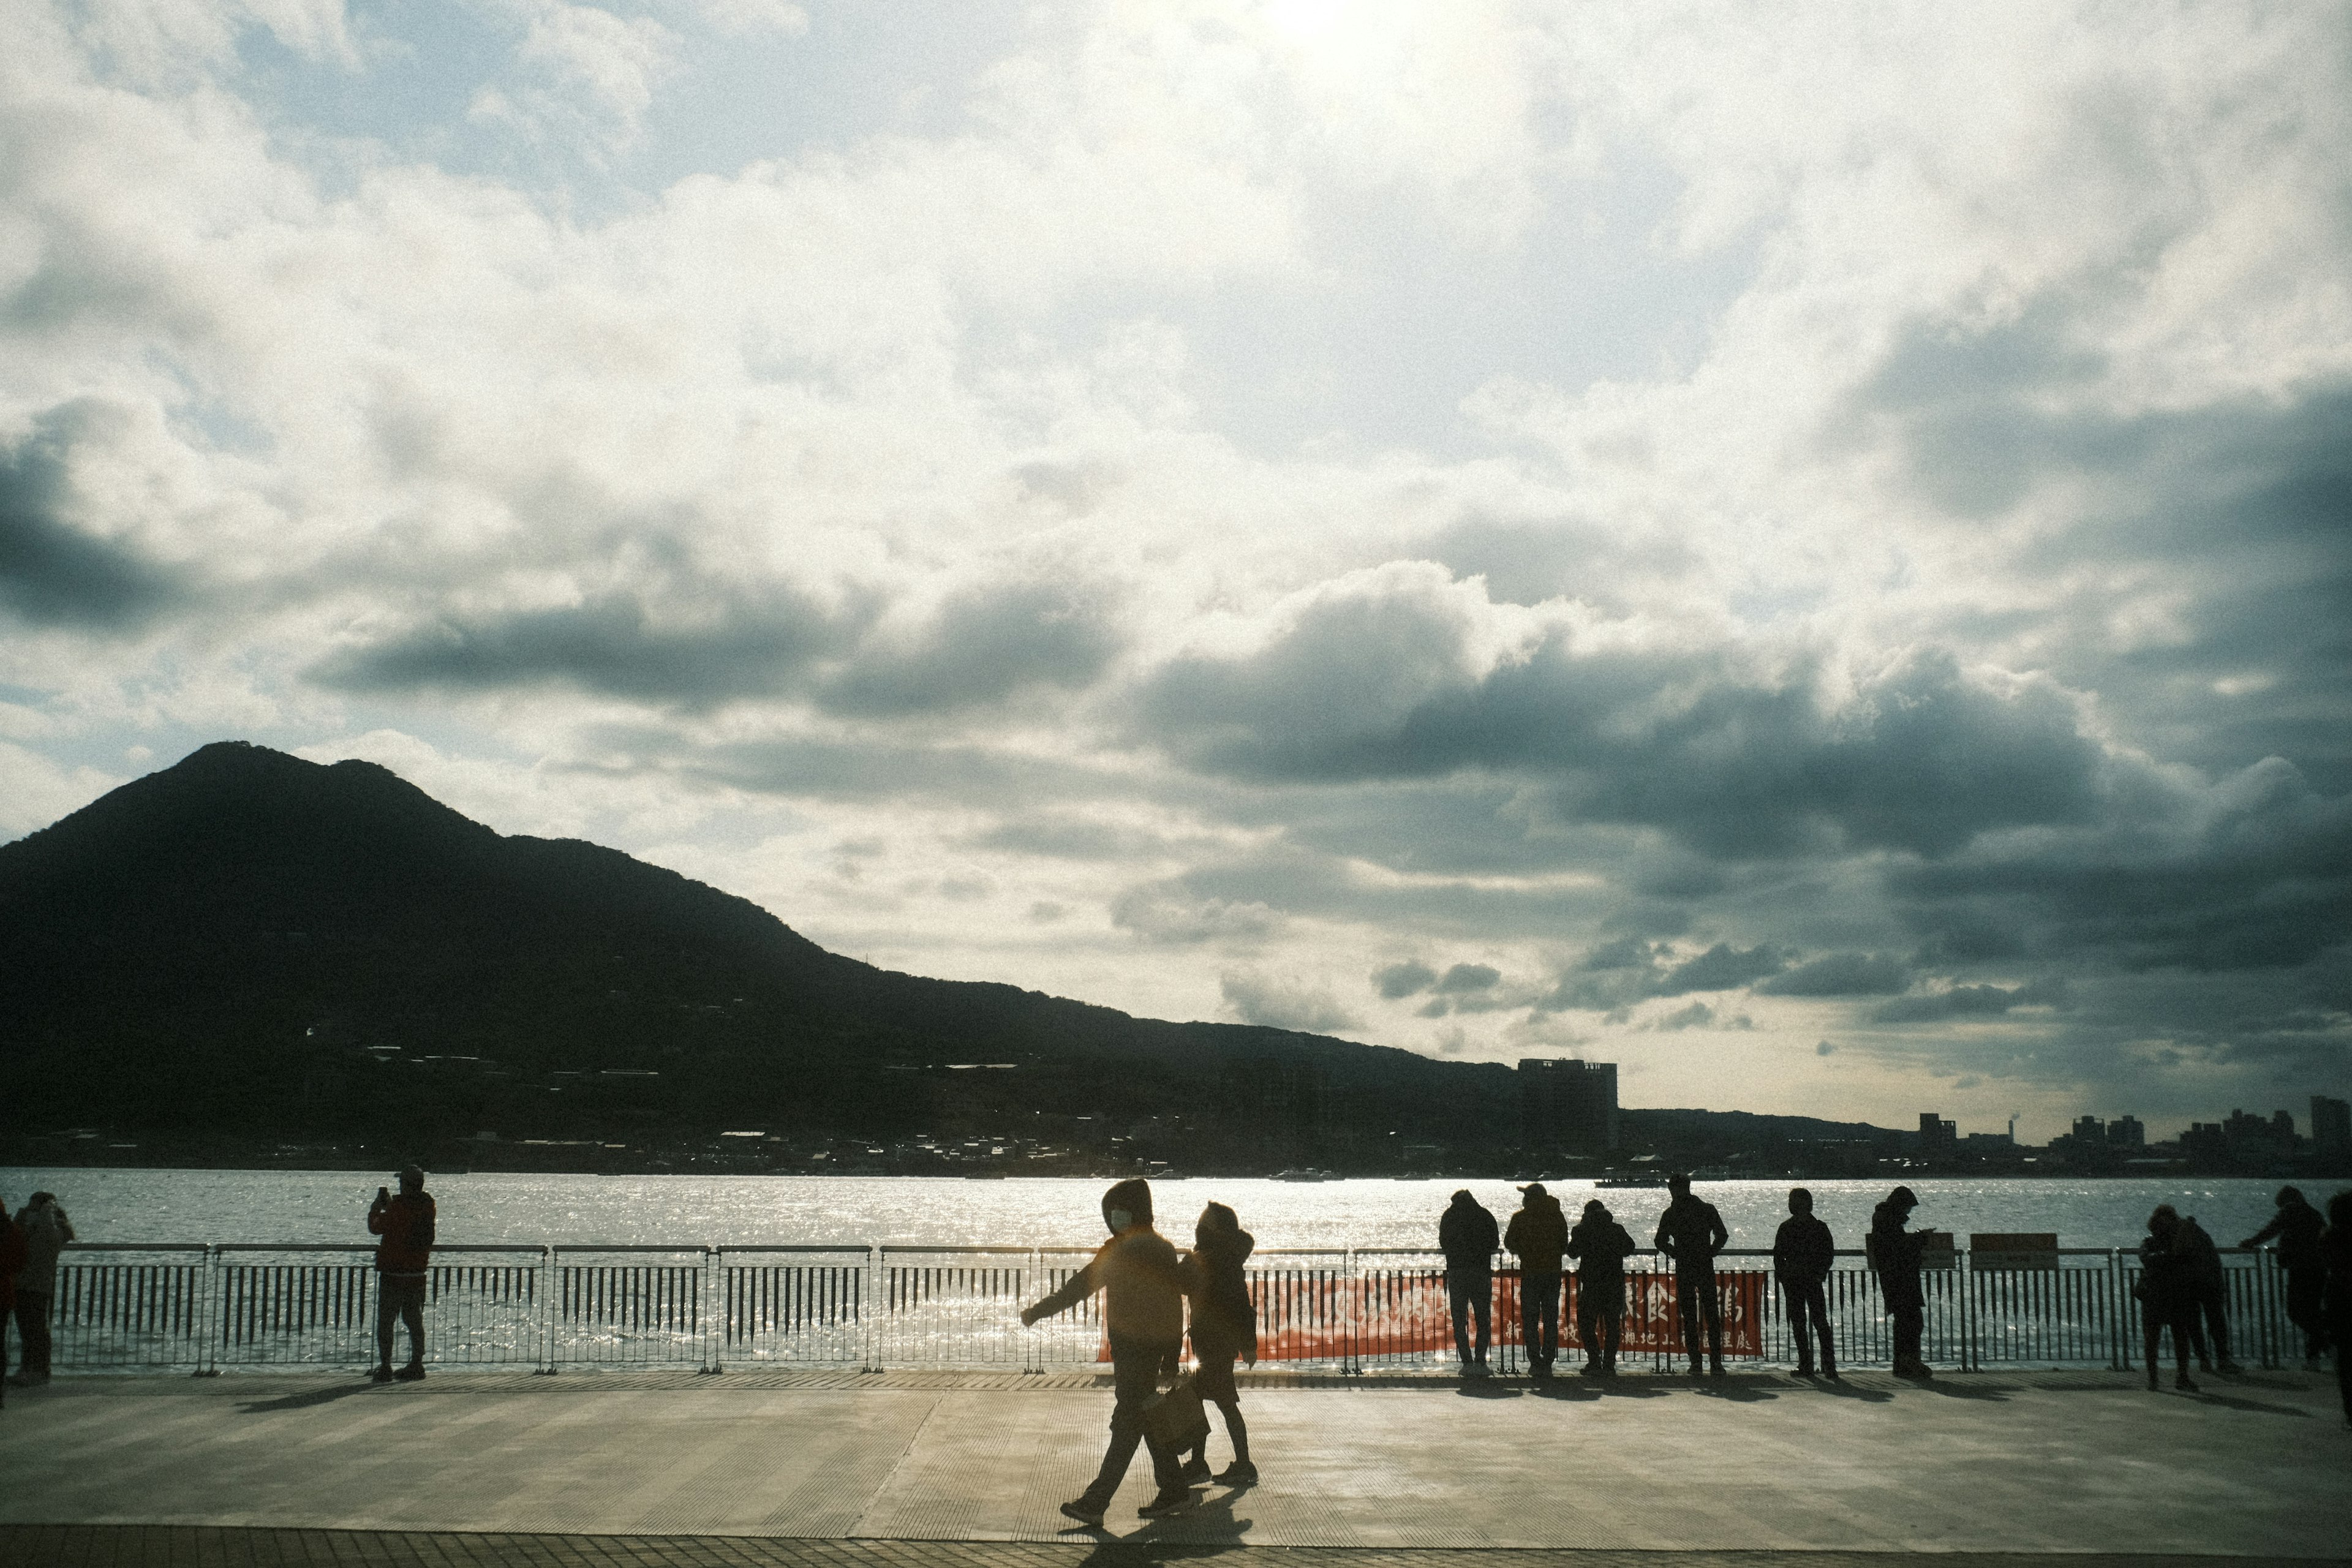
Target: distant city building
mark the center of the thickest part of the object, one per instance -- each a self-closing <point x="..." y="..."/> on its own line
<point x="1567" y="1105"/>
<point x="2089" y="1130"/>
<point x="2127" y="1132"/>
<point x="1938" y="1139"/>
<point x="2331" y="1129"/>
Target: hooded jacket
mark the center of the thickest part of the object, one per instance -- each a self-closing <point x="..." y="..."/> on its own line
<point x="46" y="1230"/>
<point x="1601" y="1246"/>
<point x="1894" y="1253"/>
<point x="1539" y="1234"/>
<point x="1223" y="1316"/>
<point x="1467" y="1237"/>
<point x="1143" y="1283"/>
<point x="2297" y="1227"/>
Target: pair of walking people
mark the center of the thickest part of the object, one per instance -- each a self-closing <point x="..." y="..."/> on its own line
<point x="1145" y="1284"/>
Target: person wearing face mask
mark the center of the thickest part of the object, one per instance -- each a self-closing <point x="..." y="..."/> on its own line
<point x="1144" y="1284"/>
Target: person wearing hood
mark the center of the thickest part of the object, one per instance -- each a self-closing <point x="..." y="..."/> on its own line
<point x="1804" y="1251"/>
<point x="1468" y="1238"/>
<point x="1600" y="1246"/>
<point x="1539" y="1234"/>
<point x="2297" y="1228"/>
<point x="1692" y="1232"/>
<point x="1895" y="1254"/>
<point x="46" y="1230"/>
<point x="1225" y="1328"/>
<point x="2166" y="1291"/>
<point x="1143" y="1284"/>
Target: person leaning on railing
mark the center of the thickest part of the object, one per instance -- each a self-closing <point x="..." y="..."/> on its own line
<point x="1144" y="1284"/>
<point x="2296" y="1226"/>
<point x="1895" y="1254"/>
<point x="2167" y="1292"/>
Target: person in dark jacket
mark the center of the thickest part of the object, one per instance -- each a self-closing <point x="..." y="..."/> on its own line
<point x="1468" y="1238"/>
<point x="1600" y="1246"/>
<point x="1895" y="1254"/>
<point x="2208" y="1299"/>
<point x="2166" y="1289"/>
<point x="46" y="1231"/>
<point x="1224" y="1327"/>
<point x="1691" y="1233"/>
<point x="2296" y="1226"/>
<point x="2335" y="1280"/>
<point x="1539" y="1234"/>
<point x="402" y="1258"/>
<point x="1144" y="1284"/>
<point x="11" y="1258"/>
<point x="1802" y="1253"/>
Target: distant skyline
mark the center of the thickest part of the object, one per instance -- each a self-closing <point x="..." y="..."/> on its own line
<point x="1811" y="559"/>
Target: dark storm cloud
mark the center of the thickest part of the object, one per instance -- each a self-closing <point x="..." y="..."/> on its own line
<point x="1397" y="980"/>
<point x="1614" y="977"/>
<point x="52" y="573"/>
<point x="982" y="645"/>
<point x="1470" y="977"/>
<point x="1842" y="974"/>
<point x="615" y="644"/>
<point x="959" y="774"/>
<point x="1734" y="761"/>
<point x="1968" y="1002"/>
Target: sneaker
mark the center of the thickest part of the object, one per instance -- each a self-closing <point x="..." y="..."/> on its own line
<point x="1715" y="1371"/>
<point x="1168" y="1502"/>
<point x="1240" y="1473"/>
<point x="1195" y="1473"/>
<point x="412" y="1372"/>
<point x="1086" y="1510"/>
<point x="381" y="1374"/>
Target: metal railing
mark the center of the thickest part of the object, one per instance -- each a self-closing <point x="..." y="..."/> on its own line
<point x="206" y="1308"/>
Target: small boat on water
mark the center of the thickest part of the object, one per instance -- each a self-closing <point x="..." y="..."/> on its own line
<point x="1306" y="1175"/>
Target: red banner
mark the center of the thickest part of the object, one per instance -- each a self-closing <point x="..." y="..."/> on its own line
<point x="1312" y="1316"/>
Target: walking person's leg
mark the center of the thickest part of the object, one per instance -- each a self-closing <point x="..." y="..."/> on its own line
<point x="1135" y="1378"/>
<point x="1910" y="1326"/>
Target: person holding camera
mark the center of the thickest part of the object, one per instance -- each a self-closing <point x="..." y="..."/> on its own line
<point x="42" y="1223"/>
<point x="406" y="1223"/>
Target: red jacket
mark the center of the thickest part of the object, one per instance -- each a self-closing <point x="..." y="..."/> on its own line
<point x="13" y="1255"/>
<point x="406" y="1223"/>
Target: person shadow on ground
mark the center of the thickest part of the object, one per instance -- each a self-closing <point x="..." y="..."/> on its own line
<point x="304" y="1401"/>
<point x="1209" y="1528"/>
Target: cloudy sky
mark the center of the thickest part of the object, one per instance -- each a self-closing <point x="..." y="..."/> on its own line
<point x="1811" y="559"/>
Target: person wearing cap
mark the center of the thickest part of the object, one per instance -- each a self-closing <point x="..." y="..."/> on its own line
<point x="1895" y="1254"/>
<point x="402" y="1258"/>
<point x="1691" y="1233"/>
<point x="1144" y="1284"/>
<point x="1539" y="1234"/>
<point x="1803" y="1252"/>
<point x="46" y="1230"/>
<point x="1468" y="1237"/>
<point x="1601" y="1246"/>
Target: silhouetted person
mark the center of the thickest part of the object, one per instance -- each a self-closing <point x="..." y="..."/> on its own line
<point x="1691" y="1233"/>
<point x="12" y="1259"/>
<point x="2335" y="1285"/>
<point x="1224" y="1327"/>
<point x="1600" y="1246"/>
<point x="2166" y="1298"/>
<point x="1539" y="1234"/>
<point x="45" y="1230"/>
<point x="1895" y="1254"/>
<point x="402" y="1258"/>
<point x="1144" y="1284"/>
<point x="1468" y="1238"/>
<point x="2296" y="1225"/>
<point x="1802" y="1254"/>
<point x="2209" y="1298"/>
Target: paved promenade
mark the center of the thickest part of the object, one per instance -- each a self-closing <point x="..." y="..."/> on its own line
<point x="777" y="1468"/>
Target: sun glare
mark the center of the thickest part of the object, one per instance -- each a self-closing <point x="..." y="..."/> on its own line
<point x="1307" y="20"/>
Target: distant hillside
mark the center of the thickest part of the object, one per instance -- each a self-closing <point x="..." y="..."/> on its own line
<point x="250" y="945"/>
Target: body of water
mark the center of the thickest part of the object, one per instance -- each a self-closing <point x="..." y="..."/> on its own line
<point x="149" y="1205"/>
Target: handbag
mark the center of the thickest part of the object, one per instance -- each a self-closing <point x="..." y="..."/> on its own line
<point x="1176" y="1419"/>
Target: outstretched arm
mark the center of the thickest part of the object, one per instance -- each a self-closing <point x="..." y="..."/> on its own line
<point x="1075" y="1289"/>
<point x="2276" y="1226"/>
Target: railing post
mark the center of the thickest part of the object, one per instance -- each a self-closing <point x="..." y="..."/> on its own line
<point x="878" y="1308"/>
<point x="208" y="1309"/>
<point x="713" y="1276"/>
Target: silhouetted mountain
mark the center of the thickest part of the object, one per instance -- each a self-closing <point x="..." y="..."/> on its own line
<point x="251" y="945"/>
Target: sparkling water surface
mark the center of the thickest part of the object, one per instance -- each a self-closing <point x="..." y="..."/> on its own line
<point x="256" y="1206"/>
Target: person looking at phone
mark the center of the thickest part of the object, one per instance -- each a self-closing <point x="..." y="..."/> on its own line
<point x="406" y="1223"/>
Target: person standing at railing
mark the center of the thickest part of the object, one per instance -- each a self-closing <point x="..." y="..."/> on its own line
<point x="2296" y="1226"/>
<point x="1601" y="1246"/>
<point x="1691" y="1233"/>
<point x="45" y="1230"/>
<point x="1539" y="1234"/>
<point x="1144" y="1284"/>
<point x="1467" y="1237"/>
<point x="1803" y="1252"/>
<point x="401" y="1259"/>
<point x="1894" y="1253"/>
<point x="2336" y="1282"/>
<point x="1225" y="1328"/>
<point x="12" y="1259"/>
<point x="2208" y="1299"/>
<point x="2166" y="1291"/>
